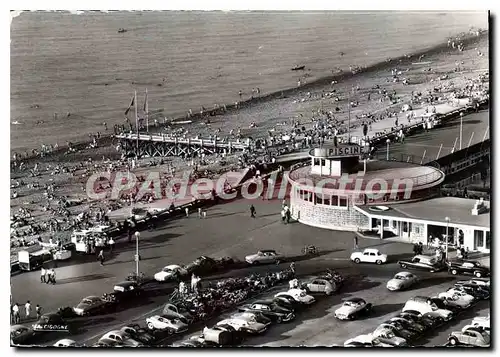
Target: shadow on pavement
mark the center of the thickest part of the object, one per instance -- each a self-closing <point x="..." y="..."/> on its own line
<point x="381" y="310"/>
<point x="82" y="278"/>
<point x="428" y="282"/>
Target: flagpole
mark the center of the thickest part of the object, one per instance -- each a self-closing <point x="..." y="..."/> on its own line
<point x="136" y="126"/>
<point x="147" y="112"/>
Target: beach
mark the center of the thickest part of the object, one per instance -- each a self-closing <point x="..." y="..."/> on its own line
<point x="374" y="95"/>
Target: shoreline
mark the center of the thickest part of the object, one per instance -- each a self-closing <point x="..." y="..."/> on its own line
<point x="107" y="139"/>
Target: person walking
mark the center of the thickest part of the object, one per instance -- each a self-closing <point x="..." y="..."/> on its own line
<point x="287" y="214"/>
<point x="15" y="313"/>
<point x="252" y="211"/>
<point x="53" y="276"/>
<point x="42" y="275"/>
<point x="27" y="309"/>
<point x="100" y="257"/>
<point x="187" y="211"/>
<point x="283" y="215"/>
<point x="200" y="213"/>
<point x="111" y="244"/>
<point x="356" y="246"/>
<point x="38" y="311"/>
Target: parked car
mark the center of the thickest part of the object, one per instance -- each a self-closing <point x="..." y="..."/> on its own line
<point x="171" y="310"/>
<point x="428" y="319"/>
<point x="481" y="321"/>
<point x="267" y="256"/>
<point x="472" y="336"/>
<point x="173" y="325"/>
<point x="388" y="337"/>
<point x="205" y="265"/>
<point x="126" y="290"/>
<point x="411" y="326"/>
<point x="484" y="328"/>
<point x="139" y="333"/>
<point x="20" y="334"/>
<point x="51" y="322"/>
<point x="223" y="335"/>
<point x="396" y="329"/>
<point x="192" y="343"/>
<point x="401" y="281"/>
<point x="479" y="292"/>
<point x="422" y="262"/>
<point x="369" y="255"/>
<point x="298" y="295"/>
<point x="457" y="297"/>
<point x="468" y="267"/>
<point x="170" y="272"/>
<point x="107" y="344"/>
<point x="120" y="337"/>
<point x="482" y="283"/>
<point x="352" y="308"/>
<point x="447" y="304"/>
<point x="322" y="285"/>
<point x="250" y="326"/>
<point x="365" y="341"/>
<point x="287" y="302"/>
<point x="92" y="305"/>
<point x="273" y="311"/>
<point x="424" y="305"/>
<point x="65" y="342"/>
<point x="252" y="316"/>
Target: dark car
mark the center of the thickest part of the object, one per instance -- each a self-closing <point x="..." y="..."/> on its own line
<point x="399" y="331"/>
<point x="288" y="303"/>
<point x="140" y="334"/>
<point x="202" y="266"/>
<point x="423" y="262"/>
<point x="20" y="335"/>
<point x="400" y="323"/>
<point x="94" y="305"/>
<point x="429" y="319"/>
<point x="126" y="290"/>
<point x="477" y="291"/>
<point x="414" y="318"/>
<point x="468" y="267"/>
<point x="51" y="322"/>
<point x="271" y="310"/>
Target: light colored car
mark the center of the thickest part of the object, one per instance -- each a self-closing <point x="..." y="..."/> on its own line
<point x="159" y="322"/>
<point x="252" y="317"/>
<point x="457" y="297"/>
<point x="298" y="295"/>
<point x="320" y="285"/>
<point x="480" y="322"/>
<point x="244" y="324"/>
<point x="351" y="308"/>
<point x="401" y="281"/>
<point x="65" y="342"/>
<point x="424" y="305"/>
<point x="472" y="337"/>
<point x="369" y="255"/>
<point x="120" y="337"/>
<point x="365" y="340"/>
<point x="267" y="256"/>
<point x="387" y="336"/>
<point x="169" y="272"/>
<point x="170" y="310"/>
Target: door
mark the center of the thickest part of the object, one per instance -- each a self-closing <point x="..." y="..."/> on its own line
<point x="366" y="257"/>
<point x="372" y="257"/>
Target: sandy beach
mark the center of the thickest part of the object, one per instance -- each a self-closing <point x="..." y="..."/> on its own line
<point x="375" y="96"/>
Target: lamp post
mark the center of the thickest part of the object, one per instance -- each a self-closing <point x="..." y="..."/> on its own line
<point x="461" y="119"/>
<point x="137" y="236"/>
<point x="388" y="141"/>
<point x="447" y="219"/>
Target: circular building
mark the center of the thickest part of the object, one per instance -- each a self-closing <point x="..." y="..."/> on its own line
<point x="325" y="192"/>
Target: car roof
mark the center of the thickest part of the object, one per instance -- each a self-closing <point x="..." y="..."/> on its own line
<point x="354" y="299"/>
<point x="91" y="297"/>
<point x="405" y="273"/>
<point x="116" y="332"/>
<point x="474" y="328"/>
<point x="172" y="266"/>
<point x="17" y="327"/>
<point x="267" y="251"/>
<point x="126" y="283"/>
<point x="66" y="340"/>
<point x="370" y="250"/>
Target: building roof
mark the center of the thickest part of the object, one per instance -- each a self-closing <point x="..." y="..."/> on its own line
<point x="436" y="210"/>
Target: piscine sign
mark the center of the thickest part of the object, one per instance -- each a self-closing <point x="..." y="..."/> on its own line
<point x="348" y="150"/>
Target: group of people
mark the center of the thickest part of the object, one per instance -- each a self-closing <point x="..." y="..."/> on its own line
<point x="195" y="285"/>
<point x="16" y="312"/>
<point x="48" y="276"/>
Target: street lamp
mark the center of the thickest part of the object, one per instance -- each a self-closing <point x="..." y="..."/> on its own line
<point x="137" y="236"/>
<point x="447" y="219"/>
<point x="388" y="141"/>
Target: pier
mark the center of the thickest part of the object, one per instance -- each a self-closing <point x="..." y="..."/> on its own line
<point x="149" y="145"/>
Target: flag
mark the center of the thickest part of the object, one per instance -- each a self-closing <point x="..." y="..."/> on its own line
<point x="130" y="105"/>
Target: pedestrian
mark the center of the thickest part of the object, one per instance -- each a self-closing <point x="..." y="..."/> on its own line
<point x="200" y="214"/>
<point x="53" y="276"/>
<point x="252" y="211"/>
<point x="356" y="242"/>
<point x="187" y="211"/>
<point x="283" y="214"/>
<point x="27" y="309"/>
<point x="292" y="267"/>
<point x="111" y="244"/>
<point x="204" y="213"/>
<point x="287" y="214"/>
<point x="42" y="275"/>
<point x="100" y="257"/>
<point x="48" y="276"/>
<point x="15" y="312"/>
<point x="466" y="253"/>
<point x="38" y="311"/>
<point x="420" y="248"/>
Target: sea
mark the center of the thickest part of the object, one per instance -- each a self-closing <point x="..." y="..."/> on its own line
<point x="70" y="72"/>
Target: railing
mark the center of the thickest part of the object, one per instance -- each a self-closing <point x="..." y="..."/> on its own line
<point x="189" y="141"/>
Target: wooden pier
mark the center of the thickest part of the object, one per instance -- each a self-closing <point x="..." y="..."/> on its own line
<point x="149" y="145"/>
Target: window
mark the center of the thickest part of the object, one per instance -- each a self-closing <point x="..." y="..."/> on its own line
<point x="417" y="230"/>
<point x="334" y="201"/>
<point x="317" y="162"/>
<point x="326" y="199"/>
<point x="342" y="201"/>
<point x="488" y="240"/>
<point x="478" y="239"/>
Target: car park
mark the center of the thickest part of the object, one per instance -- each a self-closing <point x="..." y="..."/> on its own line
<point x="423" y="262"/>
<point x="321" y="285"/>
<point x="468" y="267"/>
<point x="170" y="272"/>
<point x="120" y="337"/>
<point x="20" y="334"/>
<point x="369" y="255"/>
<point x="401" y="281"/>
<point x="273" y="311"/>
<point x="352" y="308"/>
<point x="65" y="342"/>
<point x="298" y="295"/>
<point x="267" y="256"/>
<point x="170" y="324"/>
<point x="91" y="305"/>
<point x="472" y="336"/>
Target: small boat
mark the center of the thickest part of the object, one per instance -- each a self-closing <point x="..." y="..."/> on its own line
<point x="298" y="68"/>
<point x="122" y="30"/>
